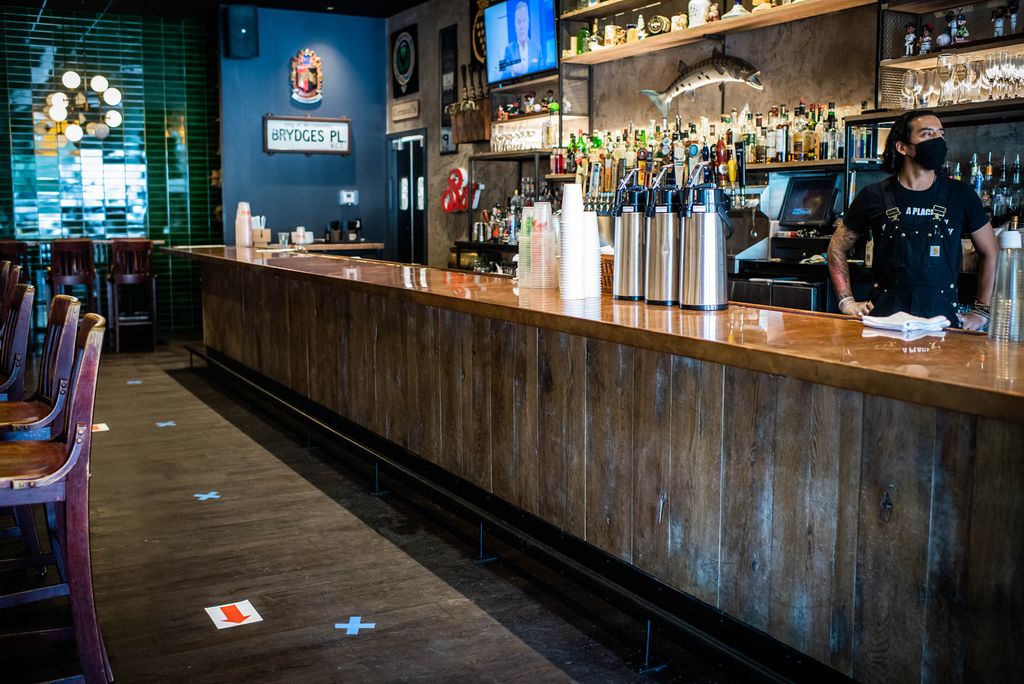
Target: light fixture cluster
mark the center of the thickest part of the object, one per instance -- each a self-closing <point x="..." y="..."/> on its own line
<point x="69" y="109"/>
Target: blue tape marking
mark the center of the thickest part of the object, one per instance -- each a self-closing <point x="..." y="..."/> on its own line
<point x="354" y="624"/>
<point x="166" y="423"/>
<point x="204" y="497"/>
<point x="134" y="382"/>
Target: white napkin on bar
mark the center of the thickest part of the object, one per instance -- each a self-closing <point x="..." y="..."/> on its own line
<point x="904" y="336"/>
<point x="904" y="322"/>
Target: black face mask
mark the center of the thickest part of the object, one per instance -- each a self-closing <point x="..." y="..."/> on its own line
<point x="931" y="154"/>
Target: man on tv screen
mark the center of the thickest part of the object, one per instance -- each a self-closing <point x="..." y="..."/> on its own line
<point x="523" y="53"/>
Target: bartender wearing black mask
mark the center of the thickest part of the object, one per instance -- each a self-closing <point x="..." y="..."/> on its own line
<point x="916" y="218"/>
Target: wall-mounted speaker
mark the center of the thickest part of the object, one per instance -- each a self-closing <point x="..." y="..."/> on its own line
<point x="241" y="32"/>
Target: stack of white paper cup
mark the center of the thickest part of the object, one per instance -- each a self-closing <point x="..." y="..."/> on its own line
<point x="573" y="267"/>
<point x="243" y="231"/>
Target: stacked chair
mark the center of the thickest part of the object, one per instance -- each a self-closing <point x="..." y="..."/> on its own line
<point x="45" y="447"/>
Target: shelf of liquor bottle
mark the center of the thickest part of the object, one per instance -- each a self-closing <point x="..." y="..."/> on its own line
<point x="796" y="165"/>
<point x="770" y="17"/>
<point x="560" y="177"/>
<point x="510" y="155"/>
<point x="1013" y="44"/>
<point x="526" y="84"/>
<point x="998" y="111"/>
<point x="604" y="9"/>
<point x="483" y="246"/>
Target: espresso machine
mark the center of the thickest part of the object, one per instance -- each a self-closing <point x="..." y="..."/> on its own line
<point x="705" y="229"/>
<point x="630" y="226"/>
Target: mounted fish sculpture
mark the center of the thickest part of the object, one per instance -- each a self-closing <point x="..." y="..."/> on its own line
<point x="717" y="68"/>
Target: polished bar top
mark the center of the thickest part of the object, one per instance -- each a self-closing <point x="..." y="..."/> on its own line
<point x="953" y="370"/>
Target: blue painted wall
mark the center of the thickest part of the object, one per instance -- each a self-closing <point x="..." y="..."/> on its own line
<point x="293" y="189"/>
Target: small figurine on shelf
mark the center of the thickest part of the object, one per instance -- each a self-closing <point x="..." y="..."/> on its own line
<point x="713" y="14"/>
<point x="527" y="106"/>
<point x="998" y="22"/>
<point x="641" y="28"/>
<point x="761" y="5"/>
<point x="911" y="39"/>
<point x="1012" y="8"/>
<point x="925" y="44"/>
<point x="962" y="34"/>
<point x="946" y="38"/>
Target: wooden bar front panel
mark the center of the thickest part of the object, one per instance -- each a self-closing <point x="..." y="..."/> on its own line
<point x="883" y="538"/>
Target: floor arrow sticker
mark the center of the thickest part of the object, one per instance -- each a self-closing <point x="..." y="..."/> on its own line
<point x="233" y="614"/>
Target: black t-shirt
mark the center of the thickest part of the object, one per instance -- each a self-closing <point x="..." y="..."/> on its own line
<point x="964" y="209"/>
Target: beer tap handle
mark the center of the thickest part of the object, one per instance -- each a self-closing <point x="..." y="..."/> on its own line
<point x="657" y="180"/>
<point x="697" y="172"/>
<point x="624" y="183"/>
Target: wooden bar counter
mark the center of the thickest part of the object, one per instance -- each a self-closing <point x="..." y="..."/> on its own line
<point x="859" y="498"/>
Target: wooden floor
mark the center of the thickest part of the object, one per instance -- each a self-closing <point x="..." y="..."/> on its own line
<point x="295" y="532"/>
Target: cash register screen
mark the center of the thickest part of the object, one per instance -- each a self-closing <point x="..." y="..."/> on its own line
<point x="808" y="201"/>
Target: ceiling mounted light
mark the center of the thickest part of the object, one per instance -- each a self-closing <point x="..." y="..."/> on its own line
<point x="73" y="132"/>
<point x="71" y="79"/>
<point x="57" y="113"/>
<point x="102" y="131"/>
<point x="99" y="83"/>
<point x="113" y="118"/>
<point x="112" y="96"/>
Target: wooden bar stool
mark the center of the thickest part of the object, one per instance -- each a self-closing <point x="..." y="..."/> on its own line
<point x="72" y="263"/>
<point x="131" y="264"/>
<point x="56" y="473"/>
<point x="42" y="415"/>
<point x="14" y="348"/>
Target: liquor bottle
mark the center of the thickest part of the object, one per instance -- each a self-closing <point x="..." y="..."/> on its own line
<point x="1016" y="191"/>
<point x="796" y="145"/>
<point x="595" y="37"/>
<point x="782" y="143"/>
<point x="987" y="186"/>
<point x="811" y="134"/>
<point x="721" y="162"/>
<point x="976" y="178"/>
<point x="831" y="143"/>
<point x="957" y="175"/>
<point x="570" y="155"/>
<point x="1001" y="197"/>
<point x="642" y="159"/>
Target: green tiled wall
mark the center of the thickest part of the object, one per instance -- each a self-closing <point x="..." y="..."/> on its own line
<point x="153" y="177"/>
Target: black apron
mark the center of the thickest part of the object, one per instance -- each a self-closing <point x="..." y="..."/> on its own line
<point x="916" y="259"/>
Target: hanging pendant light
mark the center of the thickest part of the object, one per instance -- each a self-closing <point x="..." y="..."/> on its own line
<point x="99" y="83"/>
<point x="113" y="118"/>
<point x="73" y="132"/>
<point x="112" y="96"/>
<point x="71" y="79"/>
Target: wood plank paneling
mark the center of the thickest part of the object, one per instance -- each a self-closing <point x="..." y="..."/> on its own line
<point x="421" y="373"/>
<point x="609" y="470"/>
<point x="299" y="333"/>
<point x="326" y="346"/>
<point x="652" y="460"/>
<point x="223" y="306"/>
<point x="389" y="371"/>
<point x="452" y="379"/>
<point x="949" y="526"/>
<point x="896" y="481"/>
<point x="995" y="567"/>
<point x="696" y="478"/>
<point x="514" y="414"/>
<point x="749" y="443"/>
<point x="480" y="353"/>
<point x="360" y="360"/>
<point x="810" y="445"/>
<point x="561" y="429"/>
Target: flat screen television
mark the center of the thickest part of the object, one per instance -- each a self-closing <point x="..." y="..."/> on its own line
<point x="521" y="39"/>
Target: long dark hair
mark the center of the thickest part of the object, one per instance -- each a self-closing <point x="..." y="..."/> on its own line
<point x="892" y="160"/>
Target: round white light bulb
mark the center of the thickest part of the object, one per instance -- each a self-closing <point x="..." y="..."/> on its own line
<point x="98" y="83"/>
<point x="59" y="99"/>
<point x="102" y="131"/>
<point x="90" y="128"/>
<point x="71" y="79"/>
<point x="57" y="113"/>
<point x="112" y="96"/>
<point x="74" y="132"/>
<point x="113" y="118"/>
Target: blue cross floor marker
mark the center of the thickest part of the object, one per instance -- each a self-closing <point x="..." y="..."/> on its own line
<point x="354" y="624"/>
<point x="208" y="496"/>
<point x="166" y="423"/>
<point x="134" y="382"/>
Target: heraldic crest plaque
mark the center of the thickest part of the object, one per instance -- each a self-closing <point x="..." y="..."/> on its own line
<point x="307" y="77"/>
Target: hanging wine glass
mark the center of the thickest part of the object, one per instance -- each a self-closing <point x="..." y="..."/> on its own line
<point x="911" y="87"/>
<point x="947" y="63"/>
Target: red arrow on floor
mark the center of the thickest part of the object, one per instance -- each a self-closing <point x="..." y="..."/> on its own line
<point x="233" y="614"/>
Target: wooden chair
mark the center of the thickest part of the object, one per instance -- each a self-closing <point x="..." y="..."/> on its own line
<point x="131" y="263"/>
<point x="56" y="473"/>
<point x="10" y="276"/>
<point x="72" y="263"/>
<point x="42" y="415"/>
<point x="16" y="252"/>
<point x="14" y="348"/>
